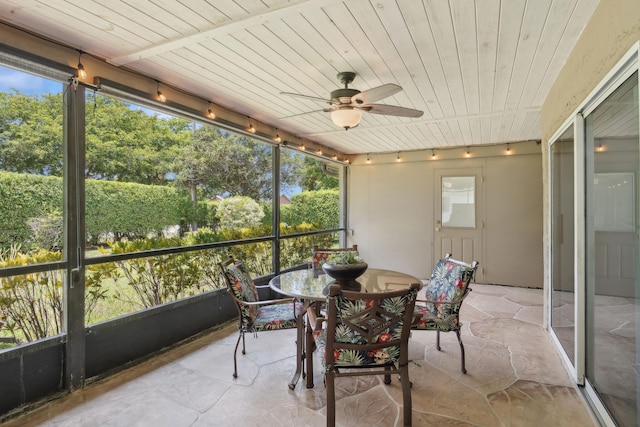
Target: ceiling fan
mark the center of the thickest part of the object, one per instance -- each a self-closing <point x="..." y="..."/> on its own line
<point x="347" y="104"/>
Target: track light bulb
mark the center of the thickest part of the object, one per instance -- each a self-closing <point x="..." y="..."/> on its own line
<point x="82" y="73"/>
<point x="161" y="96"/>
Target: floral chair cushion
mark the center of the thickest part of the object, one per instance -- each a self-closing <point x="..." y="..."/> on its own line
<point x="243" y="288"/>
<point x="448" y="283"/>
<point x="359" y="313"/>
<point x="276" y="316"/>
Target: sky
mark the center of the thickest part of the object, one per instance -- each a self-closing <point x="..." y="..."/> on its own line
<point x="27" y="84"/>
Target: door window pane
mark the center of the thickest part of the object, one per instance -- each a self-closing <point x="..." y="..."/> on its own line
<point x="613" y="302"/>
<point x="562" y="242"/>
<point x="458" y="201"/>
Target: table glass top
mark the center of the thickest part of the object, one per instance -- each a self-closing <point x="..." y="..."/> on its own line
<point x="304" y="284"/>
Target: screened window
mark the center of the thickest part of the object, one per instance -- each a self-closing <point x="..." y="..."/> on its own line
<point x="31" y="206"/>
<point x="309" y="206"/>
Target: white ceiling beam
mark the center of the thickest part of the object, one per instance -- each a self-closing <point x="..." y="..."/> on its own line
<point x="220" y="30"/>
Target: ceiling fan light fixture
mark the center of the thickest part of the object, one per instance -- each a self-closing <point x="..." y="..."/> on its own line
<point x="346" y="117"/>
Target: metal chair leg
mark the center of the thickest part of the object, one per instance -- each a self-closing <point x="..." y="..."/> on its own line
<point x="464" y="369"/>
<point x="406" y="395"/>
<point x="438" y="340"/>
<point x="235" y="352"/>
<point x="329" y="380"/>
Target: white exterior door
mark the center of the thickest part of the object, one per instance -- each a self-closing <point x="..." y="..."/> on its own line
<point x="459" y="215"/>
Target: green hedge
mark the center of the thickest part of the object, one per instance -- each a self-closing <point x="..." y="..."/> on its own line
<point x="320" y="207"/>
<point x="116" y="210"/>
<point x="23" y="197"/>
<point x="133" y="210"/>
<point x="112" y="208"/>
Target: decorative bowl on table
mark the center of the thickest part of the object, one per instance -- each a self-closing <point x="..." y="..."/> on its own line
<point x="345" y="268"/>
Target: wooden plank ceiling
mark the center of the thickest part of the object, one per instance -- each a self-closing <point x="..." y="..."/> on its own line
<point x="480" y="70"/>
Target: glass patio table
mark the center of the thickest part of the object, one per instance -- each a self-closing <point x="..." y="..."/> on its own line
<point x="309" y="287"/>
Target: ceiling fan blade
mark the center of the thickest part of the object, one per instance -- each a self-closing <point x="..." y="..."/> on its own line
<point x="313" y="98"/>
<point x="302" y="114"/>
<point x="375" y="94"/>
<point x="392" y="110"/>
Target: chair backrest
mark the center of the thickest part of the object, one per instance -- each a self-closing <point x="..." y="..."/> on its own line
<point x="319" y="256"/>
<point x="241" y="288"/>
<point x="449" y="282"/>
<point x="368" y="328"/>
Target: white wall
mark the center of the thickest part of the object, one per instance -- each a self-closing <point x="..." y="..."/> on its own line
<point x="392" y="217"/>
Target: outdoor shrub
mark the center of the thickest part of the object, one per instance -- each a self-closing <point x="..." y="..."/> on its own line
<point x="158" y="279"/>
<point x="113" y="209"/>
<point x="297" y="250"/>
<point x="24" y="196"/>
<point x="31" y="304"/>
<point x="47" y="230"/>
<point x="120" y="209"/>
<point x="239" y="211"/>
<point x="320" y="207"/>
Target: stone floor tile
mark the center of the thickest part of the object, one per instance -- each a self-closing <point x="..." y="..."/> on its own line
<point x="515" y="378"/>
<point x="535" y="404"/>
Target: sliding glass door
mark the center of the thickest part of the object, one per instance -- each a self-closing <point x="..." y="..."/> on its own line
<point x="562" y="237"/>
<point x="612" y="250"/>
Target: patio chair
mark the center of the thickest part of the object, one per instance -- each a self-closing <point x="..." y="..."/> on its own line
<point x="447" y="288"/>
<point x="255" y="315"/>
<point x="319" y="256"/>
<point x="367" y="334"/>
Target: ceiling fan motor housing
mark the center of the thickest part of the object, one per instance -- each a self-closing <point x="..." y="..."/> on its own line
<point x="344" y="93"/>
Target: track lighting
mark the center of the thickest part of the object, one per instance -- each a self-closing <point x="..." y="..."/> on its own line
<point x="82" y="73"/>
<point x="251" y="128"/>
<point x="161" y="96"/>
<point x="508" y="149"/>
<point x="433" y="154"/>
<point x="468" y="153"/>
<point x="368" y="158"/>
<point x="277" y="138"/>
<point x="398" y="157"/>
<point x="210" y="112"/>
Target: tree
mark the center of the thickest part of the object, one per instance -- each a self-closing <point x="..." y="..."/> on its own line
<point x="31" y="133"/>
<point x="221" y="163"/>
<point x="314" y="178"/>
<point x="127" y="144"/>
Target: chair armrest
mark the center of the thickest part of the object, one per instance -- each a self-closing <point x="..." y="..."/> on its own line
<point x="269" y="301"/>
<point x="315" y="321"/>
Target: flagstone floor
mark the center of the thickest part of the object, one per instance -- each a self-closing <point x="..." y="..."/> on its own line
<point x="515" y="378"/>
